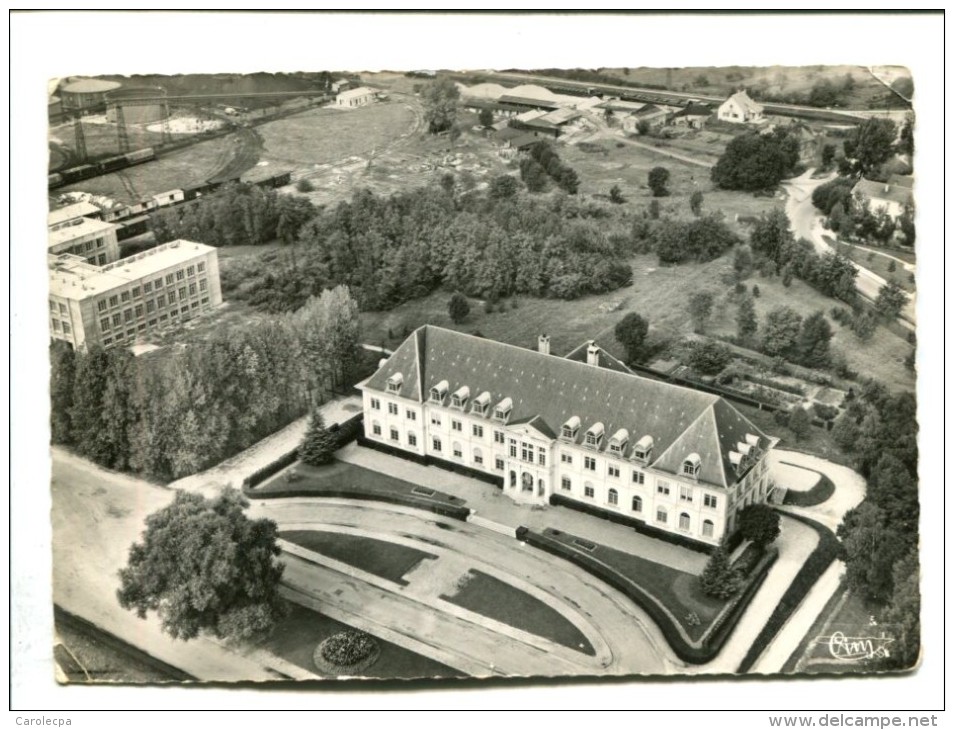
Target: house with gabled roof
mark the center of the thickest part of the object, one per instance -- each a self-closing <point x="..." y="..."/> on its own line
<point x="740" y="108"/>
<point x="891" y="198"/>
<point x="583" y="427"/>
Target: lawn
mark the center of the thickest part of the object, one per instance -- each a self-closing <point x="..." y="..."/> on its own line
<point x="678" y="591"/>
<point x="878" y="264"/>
<point x="384" y="559"/>
<point x="296" y="637"/>
<point x="500" y="601"/>
<point x="102" y="140"/>
<point x="819" y="493"/>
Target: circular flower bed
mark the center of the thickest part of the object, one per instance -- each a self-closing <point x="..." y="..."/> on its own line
<point x="347" y="652"/>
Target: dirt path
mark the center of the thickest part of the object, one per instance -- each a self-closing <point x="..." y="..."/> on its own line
<point x="673" y="155"/>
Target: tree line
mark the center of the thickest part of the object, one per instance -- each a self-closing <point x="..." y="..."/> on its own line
<point x="174" y="414"/>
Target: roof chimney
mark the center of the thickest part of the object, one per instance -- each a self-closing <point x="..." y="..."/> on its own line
<point x="593" y="354"/>
<point x="543" y="344"/>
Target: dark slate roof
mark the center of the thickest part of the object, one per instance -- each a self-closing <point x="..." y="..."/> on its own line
<point x="605" y="359"/>
<point x="694" y="110"/>
<point x="547" y="391"/>
<point x="508" y="133"/>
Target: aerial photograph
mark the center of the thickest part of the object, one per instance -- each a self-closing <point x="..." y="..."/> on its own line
<point x="469" y="376"/>
<point x="523" y="372"/>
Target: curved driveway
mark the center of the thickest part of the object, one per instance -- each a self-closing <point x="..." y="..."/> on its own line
<point x="624" y="638"/>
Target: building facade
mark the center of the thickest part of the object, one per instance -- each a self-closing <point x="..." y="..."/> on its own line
<point x="891" y="198"/>
<point x="741" y="109"/>
<point x="355" y="97"/>
<point x="676" y="459"/>
<point x="115" y="304"/>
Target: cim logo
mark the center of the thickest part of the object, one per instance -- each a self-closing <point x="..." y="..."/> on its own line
<point x="844" y="648"/>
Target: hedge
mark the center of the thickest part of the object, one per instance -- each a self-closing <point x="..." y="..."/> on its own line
<point x="713" y="642"/>
<point x="822" y="556"/>
<point x="559" y="500"/>
<point x="431" y="461"/>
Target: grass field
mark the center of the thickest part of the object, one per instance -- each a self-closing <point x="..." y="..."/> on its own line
<point x="296" y="638"/>
<point x="880" y="265"/>
<point x="500" y="601"/>
<point x="102" y="139"/>
<point x="384" y="559"/>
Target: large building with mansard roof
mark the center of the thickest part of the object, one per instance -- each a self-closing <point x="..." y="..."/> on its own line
<point x="582" y="426"/>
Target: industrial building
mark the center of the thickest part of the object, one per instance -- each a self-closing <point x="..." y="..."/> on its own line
<point x="85" y="94"/>
<point x="355" y="97"/>
<point x="77" y="230"/>
<point x="580" y="429"/>
<point x="114" y="304"/>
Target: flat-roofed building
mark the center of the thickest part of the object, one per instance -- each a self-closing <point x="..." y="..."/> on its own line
<point x="355" y="97"/>
<point x="89" y="238"/>
<point x="116" y="303"/>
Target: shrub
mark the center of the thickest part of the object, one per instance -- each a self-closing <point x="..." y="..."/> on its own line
<point x="304" y="186"/>
<point x="824" y="411"/>
<point x="488" y="307"/>
<point x="348" y="648"/>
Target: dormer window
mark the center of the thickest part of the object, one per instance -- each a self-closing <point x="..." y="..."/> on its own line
<point x="459" y="398"/>
<point x="395" y="382"/>
<point x="502" y="410"/>
<point x="480" y="404"/>
<point x="570" y="429"/>
<point x="594" y="435"/>
<point x="691" y="465"/>
<point x="643" y="450"/>
<point x="438" y="392"/>
<point x="617" y="444"/>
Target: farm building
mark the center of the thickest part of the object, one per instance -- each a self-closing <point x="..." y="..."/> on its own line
<point x="355" y="97"/>
<point x="655" y="116"/>
<point x="114" y="304"/>
<point x="580" y="429"/>
<point x="741" y="109"/>
<point x="694" y="115"/>
<point x="890" y="198"/>
<point x="82" y="94"/>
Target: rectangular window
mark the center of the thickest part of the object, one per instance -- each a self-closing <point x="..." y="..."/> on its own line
<point x="710" y="500"/>
<point x="565" y="484"/>
<point x="393" y="409"/>
<point x="88" y="245"/>
<point x="566" y="458"/>
<point x="457" y="425"/>
<point x="513" y="448"/>
<point x="100" y="243"/>
<point x="588" y="491"/>
<point x="612" y="470"/>
<point x="180" y="275"/>
<point x="174" y="313"/>
<point x="435" y="419"/>
<point x="376" y="404"/>
<point x="147" y="288"/>
<point x="499" y="463"/>
<point x="169" y="279"/>
<point x="56" y="325"/>
<point x="182" y="293"/>
<point x="101" y="304"/>
<point x="104" y="324"/>
<point x="184" y="310"/>
<point x="662" y="488"/>
<point x="172" y="295"/>
<point x="478" y="431"/>
<point x="124" y="296"/>
<point x="137" y="291"/>
<point x="685" y="493"/>
<point x="117" y="320"/>
<point x="411" y="439"/>
<point x="203" y="284"/>
<point x="66" y="328"/>
<point x="162" y="318"/>
<point x="589" y="463"/>
<point x="114" y="301"/>
<point x="119" y="336"/>
<point x="661" y="515"/>
<point x="139" y="310"/>
<point x="478" y="458"/>
<point x="192" y="289"/>
<point x="157" y="283"/>
<point x="395" y="436"/>
<point x="128" y="315"/>
<point x="62" y="308"/>
<point x="161" y="301"/>
<point x="376" y="429"/>
<point x="150" y="306"/>
<point x="107" y="340"/>
<point x="191" y="271"/>
<point x="639" y="477"/>
<point x="526" y="451"/>
<point x="205" y="300"/>
<point x="542" y="458"/>
<point x="637" y="504"/>
<point x="436" y="444"/>
<point x="411" y="415"/>
<point x="52" y="305"/>
<point x="498" y="437"/>
<point x="201" y="266"/>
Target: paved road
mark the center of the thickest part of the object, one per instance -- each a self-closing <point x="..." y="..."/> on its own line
<point x="806" y="223"/>
<point x="625" y="640"/>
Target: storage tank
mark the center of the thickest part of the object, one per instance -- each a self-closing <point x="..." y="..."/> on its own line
<point x="81" y="94"/>
<point x="140" y="104"/>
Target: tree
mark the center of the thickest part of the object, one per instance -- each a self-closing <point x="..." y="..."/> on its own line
<point x="756" y="161"/>
<point x="700" y="309"/>
<point x="863" y="324"/>
<point x="486" y="117"/>
<point x="204" y="566"/>
<point x="458" y="308"/>
<point x="568" y="180"/>
<point x="533" y="175"/>
<point x="631" y="333"/>
<point x="502" y="187"/>
<point x="654" y="210"/>
<point x="699" y="239"/>
<point x="294" y="212"/>
<point x="780" y="331"/>
<point x="870" y="144"/>
<point x="827" y="155"/>
<point x="746" y="321"/>
<point x="814" y="349"/>
<point x="903" y="614"/>
<point x="891" y="298"/>
<point x="62" y="374"/>
<point x="658" y="182"/>
<point x="440" y="99"/>
<point x="709" y="358"/>
<point x="318" y="446"/>
<point x="695" y="203"/>
<point x="643" y="127"/>
<point x="719" y="579"/>
<point x="800" y="423"/>
<point x="772" y="235"/>
<point x="742" y="262"/>
<point x="838" y="220"/>
<point x="760" y="524"/>
<point x="616" y="195"/>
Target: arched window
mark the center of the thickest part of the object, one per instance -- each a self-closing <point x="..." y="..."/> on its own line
<point x="661" y="515"/>
<point x="637" y="504"/>
<point x="708" y="528"/>
<point x="478" y="456"/>
<point x="458" y="451"/>
<point x="541" y="488"/>
<point x="527" y="480"/>
<point x="683" y="521"/>
<point x="513" y="479"/>
<point x="376" y="428"/>
<point x="613" y="496"/>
